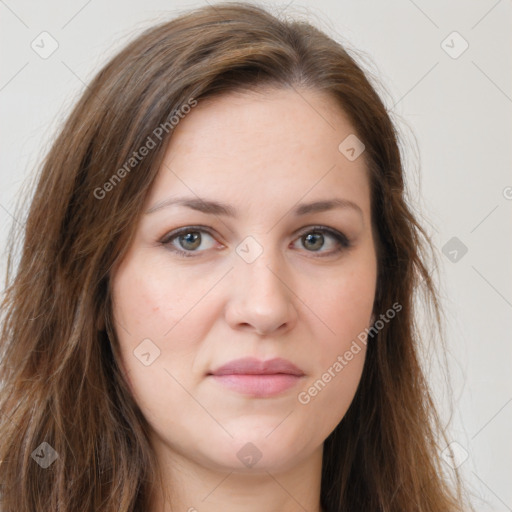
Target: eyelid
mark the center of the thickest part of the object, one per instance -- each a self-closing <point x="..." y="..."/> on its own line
<point x="325" y="229"/>
<point x="343" y="241"/>
<point x="175" y="233"/>
<point x="178" y="231"/>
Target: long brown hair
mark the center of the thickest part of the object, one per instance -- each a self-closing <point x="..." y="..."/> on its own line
<point x="61" y="384"/>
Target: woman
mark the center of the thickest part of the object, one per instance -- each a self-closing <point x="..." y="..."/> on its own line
<point x="213" y="309"/>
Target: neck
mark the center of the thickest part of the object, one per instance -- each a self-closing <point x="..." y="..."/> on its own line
<point x="190" y="487"/>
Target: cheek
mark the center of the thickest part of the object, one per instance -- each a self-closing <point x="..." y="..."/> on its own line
<point x="345" y="306"/>
<point x="152" y="300"/>
<point x="152" y="306"/>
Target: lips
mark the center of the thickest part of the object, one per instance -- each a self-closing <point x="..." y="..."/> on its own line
<point x="253" y="366"/>
<point x="251" y="376"/>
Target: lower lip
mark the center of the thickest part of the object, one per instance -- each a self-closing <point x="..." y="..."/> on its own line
<point x="258" y="385"/>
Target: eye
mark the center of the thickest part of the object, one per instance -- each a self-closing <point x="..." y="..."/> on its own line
<point x="187" y="240"/>
<point x="315" y="237"/>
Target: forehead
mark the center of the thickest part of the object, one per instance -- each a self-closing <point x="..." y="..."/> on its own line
<point x="274" y="146"/>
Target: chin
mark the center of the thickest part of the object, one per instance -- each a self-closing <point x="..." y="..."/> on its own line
<point x="252" y="452"/>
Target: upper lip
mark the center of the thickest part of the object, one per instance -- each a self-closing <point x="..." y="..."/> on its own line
<point x="253" y="366"/>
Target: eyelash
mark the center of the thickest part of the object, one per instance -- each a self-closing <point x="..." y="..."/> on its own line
<point x="340" y="238"/>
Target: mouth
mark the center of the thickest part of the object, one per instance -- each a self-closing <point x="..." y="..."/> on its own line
<point x="260" y="379"/>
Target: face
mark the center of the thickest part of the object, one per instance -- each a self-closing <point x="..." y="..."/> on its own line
<point x="251" y="273"/>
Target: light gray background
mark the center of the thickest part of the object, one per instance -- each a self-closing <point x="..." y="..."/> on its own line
<point x="454" y="115"/>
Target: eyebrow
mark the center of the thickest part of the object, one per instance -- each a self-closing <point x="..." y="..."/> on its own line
<point x="217" y="208"/>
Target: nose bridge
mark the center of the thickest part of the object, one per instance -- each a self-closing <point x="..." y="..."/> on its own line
<point x="261" y="274"/>
<point x="258" y="263"/>
<point x="260" y="297"/>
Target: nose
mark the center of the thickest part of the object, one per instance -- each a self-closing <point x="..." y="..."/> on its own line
<point x="262" y="298"/>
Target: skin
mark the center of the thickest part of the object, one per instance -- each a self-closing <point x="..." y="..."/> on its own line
<point x="262" y="153"/>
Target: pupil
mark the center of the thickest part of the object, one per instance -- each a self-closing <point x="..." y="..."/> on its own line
<point x="190" y="238"/>
<point x="319" y="238"/>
